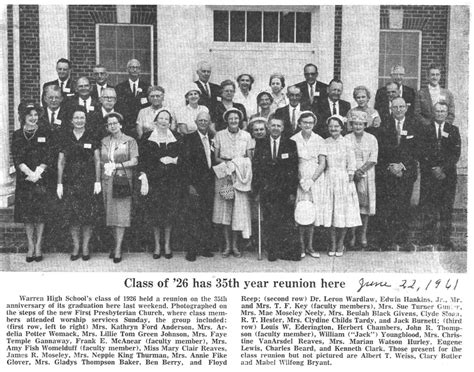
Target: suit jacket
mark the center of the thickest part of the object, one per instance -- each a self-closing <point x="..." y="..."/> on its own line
<point x="68" y="90"/>
<point x="408" y="94"/>
<point x="320" y="87"/>
<point x="74" y="101"/>
<point x="96" y="94"/>
<point x="96" y="123"/>
<point x="275" y="179"/>
<point x="323" y="112"/>
<point x="61" y="119"/>
<point x="130" y="105"/>
<point x="424" y="105"/>
<point x="284" y="114"/>
<point x="193" y="164"/>
<point x="405" y="151"/>
<point x="205" y="100"/>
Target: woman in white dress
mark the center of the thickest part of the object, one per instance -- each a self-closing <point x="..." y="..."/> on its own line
<point x="188" y="114"/>
<point x="312" y="161"/>
<point x="366" y="151"/>
<point x="342" y="204"/>
<point x="277" y="83"/>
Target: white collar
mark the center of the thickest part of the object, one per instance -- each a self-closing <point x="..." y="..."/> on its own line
<point x="105" y="112"/>
<point x="170" y="138"/>
<point x="202" y="135"/>
<point x="297" y="108"/>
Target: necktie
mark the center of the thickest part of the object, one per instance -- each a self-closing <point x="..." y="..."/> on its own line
<point x="62" y="85"/>
<point x="207" y="90"/>
<point x="439" y="132"/>
<point x="274" y="154"/>
<point x="84" y="104"/>
<point x="205" y="142"/>
<point x="311" y="92"/>
<point x="134" y="90"/>
<point x="101" y="90"/>
<point x="52" y="117"/>
<point x="293" y="118"/>
<point x="334" y="112"/>
<point x="399" y="131"/>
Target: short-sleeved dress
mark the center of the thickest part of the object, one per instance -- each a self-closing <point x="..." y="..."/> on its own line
<point x="31" y="199"/>
<point x="162" y="202"/>
<point x="342" y="204"/>
<point x="365" y="150"/>
<point x="308" y="153"/>
<point x="117" y="210"/>
<point x="187" y="115"/>
<point x="79" y="177"/>
<point x="230" y="146"/>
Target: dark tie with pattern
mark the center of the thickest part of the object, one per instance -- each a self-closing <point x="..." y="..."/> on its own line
<point x="334" y="112"/>
<point x="134" y="91"/>
<point x="52" y="117"/>
<point x="274" y="154"/>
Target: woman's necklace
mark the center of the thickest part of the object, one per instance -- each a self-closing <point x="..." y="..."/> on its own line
<point x="29" y="133"/>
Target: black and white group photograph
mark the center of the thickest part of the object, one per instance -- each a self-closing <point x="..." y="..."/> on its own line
<point x="234" y="138"/>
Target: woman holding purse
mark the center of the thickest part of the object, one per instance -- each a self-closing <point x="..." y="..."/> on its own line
<point x="118" y="157"/>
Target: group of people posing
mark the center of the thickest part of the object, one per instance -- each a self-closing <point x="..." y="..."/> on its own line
<point x="235" y="159"/>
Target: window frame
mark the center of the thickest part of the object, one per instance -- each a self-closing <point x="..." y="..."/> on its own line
<point x="152" y="43"/>
<point x="420" y="41"/>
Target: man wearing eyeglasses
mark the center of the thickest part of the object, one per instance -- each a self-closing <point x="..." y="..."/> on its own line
<point x="107" y="105"/>
<point x="100" y="75"/>
<point x="312" y="90"/>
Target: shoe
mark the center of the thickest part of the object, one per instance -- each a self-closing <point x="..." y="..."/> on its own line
<point x="226" y="252"/>
<point x="86" y="257"/>
<point x="364" y="245"/>
<point x="303" y="254"/>
<point x="207" y="254"/>
<point x="168" y="255"/>
<point x="190" y="257"/>
<point x="30" y="259"/>
<point x="39" y="258"/>
<point x="313" y="254"/>
<point x="75" y="257"/>
<point x="272" y="257"/>
<point x="156" y="255"/>
<point x="237" y="253"/>
<point x="331" y="253"/>
<point x="117" y="259"/>
<point x="340" y="252"/>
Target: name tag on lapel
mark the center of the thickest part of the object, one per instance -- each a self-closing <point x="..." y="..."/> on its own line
<point x="87" y="146"/>
<point x="143" y="101"/>
<point x="284" y="156"/>
<point x="404" y="133"/>
<point x="444" y="134"/>
<point x="41" y="139"/>
<point x="91" y="108"/>
<point x="409" y="137"/>
<point x="316" y="94"/>
<point x="66" y="90"/>
<point x="57" y="122"/>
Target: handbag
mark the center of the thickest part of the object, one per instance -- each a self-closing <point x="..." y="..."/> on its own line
<point x="227" y="190"/>
<point x="121" y="185"/>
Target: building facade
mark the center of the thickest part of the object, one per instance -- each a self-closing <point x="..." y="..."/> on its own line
<point x="358" y="44"/>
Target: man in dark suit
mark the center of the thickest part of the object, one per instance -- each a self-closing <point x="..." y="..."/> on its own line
<point x="408" y="94"/>
<point x="198" y="176"/>
<point x="82" y="97"/>
<point x="132" y="96"/>
<point x="397" y="172"/>
<point x="210" y="92"/>
<point x="275" y="181"/>
<point x="428" y="96"/>
<point x="64" y="81"/>
<point x="55" y="114"/>
<point x="100" y="75"/>
<point x="330" y="105"/>
<point x="392" y="91"/>
<point x="441" y="148"/>
<point x="290" y="113"/>
<point x="312" y="90"/>
<point x="107" y="105"/>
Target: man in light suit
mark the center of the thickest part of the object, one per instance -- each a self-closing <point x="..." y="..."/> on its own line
<point x="64" y="81"/>
<point x="428" y="96"/>
<point x="397" y="171"/>
<point x="210" y="92"/>
<point x="132" y="96"/>
<point x="100" y="76"/>
<point x="331" y="105"/>
<point x="196" y="167"/>
<point x="290" y="113"/>
<point x="408" y="94"/>
<point x="440" y="151"/>
<point x="312" y="90"/>
<point x="275" y="181"/>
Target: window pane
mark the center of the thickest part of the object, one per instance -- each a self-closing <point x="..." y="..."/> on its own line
<point x="123" y="56"/>
<point x="108" y="36"/>
<point x="303" y="27"/>
<point x="141" y="37"/>
<point x="144" y="57"/>
<point x="270" y="27"/>
<point x="108" y="58"/>
<point x="394" y="43"/>
<point x="124" y="37"/>
<point x="254" y="26"/>
<point x="287" y="27"/>
<point x="221" y="25"/>
<point x="411" y="43"/>
<point x="237" y="26"/>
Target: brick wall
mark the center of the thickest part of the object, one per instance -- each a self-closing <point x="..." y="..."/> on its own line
<point x="29" y="53"/>
<point x="337" y="40"/>
<point x="433" y="22"/>
<point x="82" y="31"/>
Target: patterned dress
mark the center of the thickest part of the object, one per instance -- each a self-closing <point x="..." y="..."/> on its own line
<point x="341" y="202"/>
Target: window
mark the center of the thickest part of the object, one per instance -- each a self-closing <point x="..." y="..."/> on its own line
<point x="400" y="47"/>
<point x="258" y="27"/>
<point x="117" y="44"/>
